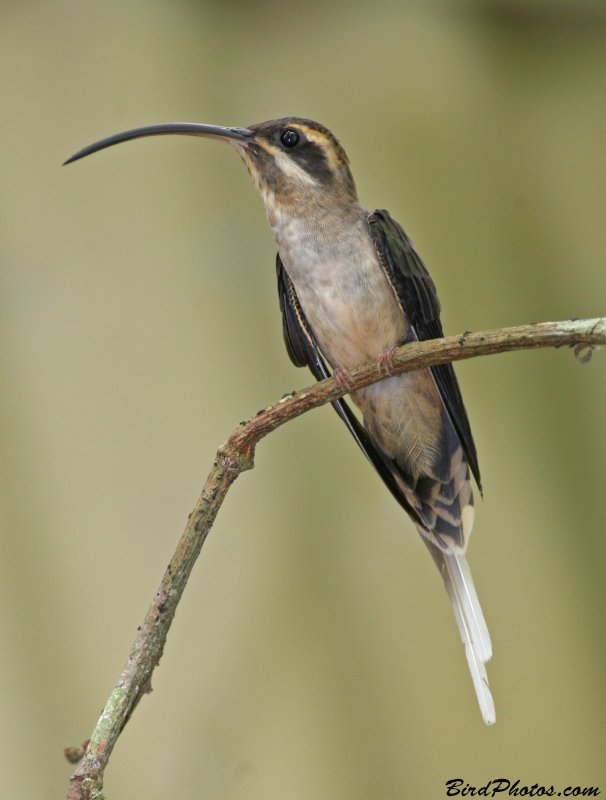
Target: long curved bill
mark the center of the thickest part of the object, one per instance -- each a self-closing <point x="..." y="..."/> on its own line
<point x="186" y="128"/>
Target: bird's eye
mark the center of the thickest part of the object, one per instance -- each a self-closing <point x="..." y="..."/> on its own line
<point x="289" y="138"/>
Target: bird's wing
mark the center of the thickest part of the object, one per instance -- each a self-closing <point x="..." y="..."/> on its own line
<point x="417" y="296"/>
<point x="304" y="352"/>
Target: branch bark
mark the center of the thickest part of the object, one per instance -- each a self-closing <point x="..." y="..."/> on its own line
<point x="236" y="455"/>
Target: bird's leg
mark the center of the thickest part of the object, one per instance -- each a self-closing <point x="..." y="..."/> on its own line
<point x="343" y="378"/>
<point x="384" y="360"/>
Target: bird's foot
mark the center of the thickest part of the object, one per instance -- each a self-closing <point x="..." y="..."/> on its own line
<point x="343" y="378"/>
<point x="384" y="360"/>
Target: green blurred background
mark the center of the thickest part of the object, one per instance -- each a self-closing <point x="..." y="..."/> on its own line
<point x="315" y="653"/>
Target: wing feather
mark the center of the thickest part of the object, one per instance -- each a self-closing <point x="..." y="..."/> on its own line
<point x="418" y="298"/>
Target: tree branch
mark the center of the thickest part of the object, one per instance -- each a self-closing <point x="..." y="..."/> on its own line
<point x="237" y="455"/>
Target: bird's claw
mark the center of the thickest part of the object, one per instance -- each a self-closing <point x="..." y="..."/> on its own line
<point x="384" y="360"/>
<point x="343" y="378"/>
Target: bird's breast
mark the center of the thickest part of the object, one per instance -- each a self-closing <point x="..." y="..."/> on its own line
<point x="344" y="293"/>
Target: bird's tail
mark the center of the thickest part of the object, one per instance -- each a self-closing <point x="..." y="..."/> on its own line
<point x="459" y="584"/>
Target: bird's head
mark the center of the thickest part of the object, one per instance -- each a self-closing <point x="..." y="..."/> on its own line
<point x="293" y="162"/>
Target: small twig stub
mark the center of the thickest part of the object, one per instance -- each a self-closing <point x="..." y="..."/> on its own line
<point x="583" y="359"/>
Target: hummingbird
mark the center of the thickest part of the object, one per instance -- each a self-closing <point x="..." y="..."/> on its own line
<point x="352" y="289"/>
